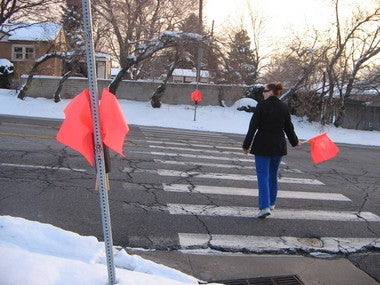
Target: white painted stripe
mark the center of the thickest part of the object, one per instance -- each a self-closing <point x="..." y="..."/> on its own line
<point x="193" y="139"/>
<point x="281" y="214"/>
<point x="280" y="244"/>
<point x="192" y="144"/>
<point x="253" y="192"/>
<point x="180" y="131"/>
<point x="220" y="144"/>
<point x="228" y="176"/>
<point x="223" y="176"/>
<point x="218" y="165"/>
<point x="198" y="150"/>
<point x="188" y="137"/>
<point x="42" y="167"/>
<point x="185" y="135"/>
<point x="201" y="156"/>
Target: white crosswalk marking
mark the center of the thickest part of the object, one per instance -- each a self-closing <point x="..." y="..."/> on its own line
<point x="253" y="192"/>
<point x="179" y="131"/>
<point x="217" y="165"/>
<point x="198" y="156"/>
<point x="220" y="176"/>
<point x="227" y="176"/>
<point x="196" y="145"/>
<point x="268" y="243"/>
<point x="193" y="150"/>
<point x="197" y="150"/>
<point x="282" y="214"/>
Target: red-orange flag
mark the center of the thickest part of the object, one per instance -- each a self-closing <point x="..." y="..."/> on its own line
<point x="196" y="95"/>
<point x="322" y="148"/>
<point x="113" y="125"/>
<point x="76" y="130"/>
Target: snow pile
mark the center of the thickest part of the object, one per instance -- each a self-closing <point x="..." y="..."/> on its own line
<point x="6" y="67"/>
<point x="36" y="254"/>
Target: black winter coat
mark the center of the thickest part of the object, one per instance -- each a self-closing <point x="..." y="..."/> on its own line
<point x="268" y="124"/>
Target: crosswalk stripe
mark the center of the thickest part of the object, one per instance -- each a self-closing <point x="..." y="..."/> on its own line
<point x="197" y="150"/>
<point x="185" y="135"/>
<point x="223" y="176"/>
<point x="252" y="192"/>
<point x="201" y="156"/>
<point x="267" y="243"/>
<point x="217" y="165"/>
<point x="180" y="131"/>
<point x="282" y="214"/>
<point x="42" y="167"/>
<point x="228" y="176"/>
<point x="193" y="144"/>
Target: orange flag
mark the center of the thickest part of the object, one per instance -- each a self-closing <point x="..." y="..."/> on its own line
<point x="113" y="124"/>
<point x="196" y="95"/>
<point x="322" y="148"/>
<point x="76" y="130"/>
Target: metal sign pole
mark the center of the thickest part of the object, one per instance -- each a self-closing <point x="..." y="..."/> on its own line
<point x="99" y="152"/>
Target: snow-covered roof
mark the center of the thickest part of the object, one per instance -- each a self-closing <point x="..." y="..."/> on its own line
<point x="45" y="31"/>
<point x="190" y="72"/>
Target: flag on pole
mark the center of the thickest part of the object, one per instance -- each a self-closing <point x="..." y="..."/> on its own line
<point x="112" y="122"/>
<point x="76" y="130"/>
<point x="196" y="95"/>
<point x="322" y="148"/>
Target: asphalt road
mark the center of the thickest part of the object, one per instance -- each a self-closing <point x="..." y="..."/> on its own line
<point x="188" y="189"/>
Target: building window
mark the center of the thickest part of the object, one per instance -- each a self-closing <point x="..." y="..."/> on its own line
<point x="22" y="52"/>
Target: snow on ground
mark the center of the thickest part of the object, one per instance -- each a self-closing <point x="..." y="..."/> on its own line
<point x="40" y="254"/>
<point x="208" y="118"/>
<point x="34" y="253"/>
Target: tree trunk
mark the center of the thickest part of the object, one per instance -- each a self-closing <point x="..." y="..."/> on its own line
<point x="57" y="93"/>
<point x="155" y="100"/>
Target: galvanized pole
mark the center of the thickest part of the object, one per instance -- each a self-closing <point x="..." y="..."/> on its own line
<point x="99" y="152"/>
<point x="200" y="50"/>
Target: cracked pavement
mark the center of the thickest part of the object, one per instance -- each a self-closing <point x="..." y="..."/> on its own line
<point x="59" y="189"/>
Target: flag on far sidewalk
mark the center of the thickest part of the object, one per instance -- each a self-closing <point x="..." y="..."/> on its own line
<point x="322" y="148"/>
<point x="196" y="95"/>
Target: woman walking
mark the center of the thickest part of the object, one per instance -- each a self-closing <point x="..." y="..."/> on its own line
<point x="266" y="129"/>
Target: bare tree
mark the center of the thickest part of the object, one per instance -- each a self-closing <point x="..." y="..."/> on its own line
<point x="356" y="42"/>
<point x="149" y="48"/>
<point x="16" y="10"/>
<point x="157" y="94"/>
<point x="132" y="22"/>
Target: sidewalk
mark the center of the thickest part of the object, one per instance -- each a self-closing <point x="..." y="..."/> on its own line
<point x="231" y="266"/>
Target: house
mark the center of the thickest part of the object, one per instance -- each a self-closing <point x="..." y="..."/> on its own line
<point x="189" y="75"/>
<point x="24" y="43"/>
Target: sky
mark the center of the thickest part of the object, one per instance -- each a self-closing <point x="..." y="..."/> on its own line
<point x="40" y="254"/>
<point x="282" y="18"/>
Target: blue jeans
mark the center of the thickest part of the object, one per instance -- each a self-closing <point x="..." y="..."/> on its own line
<point x="267" y="176"/>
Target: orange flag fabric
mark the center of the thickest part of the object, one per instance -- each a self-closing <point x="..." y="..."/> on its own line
<point x="322" y="148"/>
<point x="76" y="130"/>
<point x="196" y="95"/>
<point x="112" y="122"/>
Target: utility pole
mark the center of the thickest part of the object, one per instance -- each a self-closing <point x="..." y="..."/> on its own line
<point x="200" y="50"/>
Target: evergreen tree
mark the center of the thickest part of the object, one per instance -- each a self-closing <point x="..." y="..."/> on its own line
<point x="241" y="62"/>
